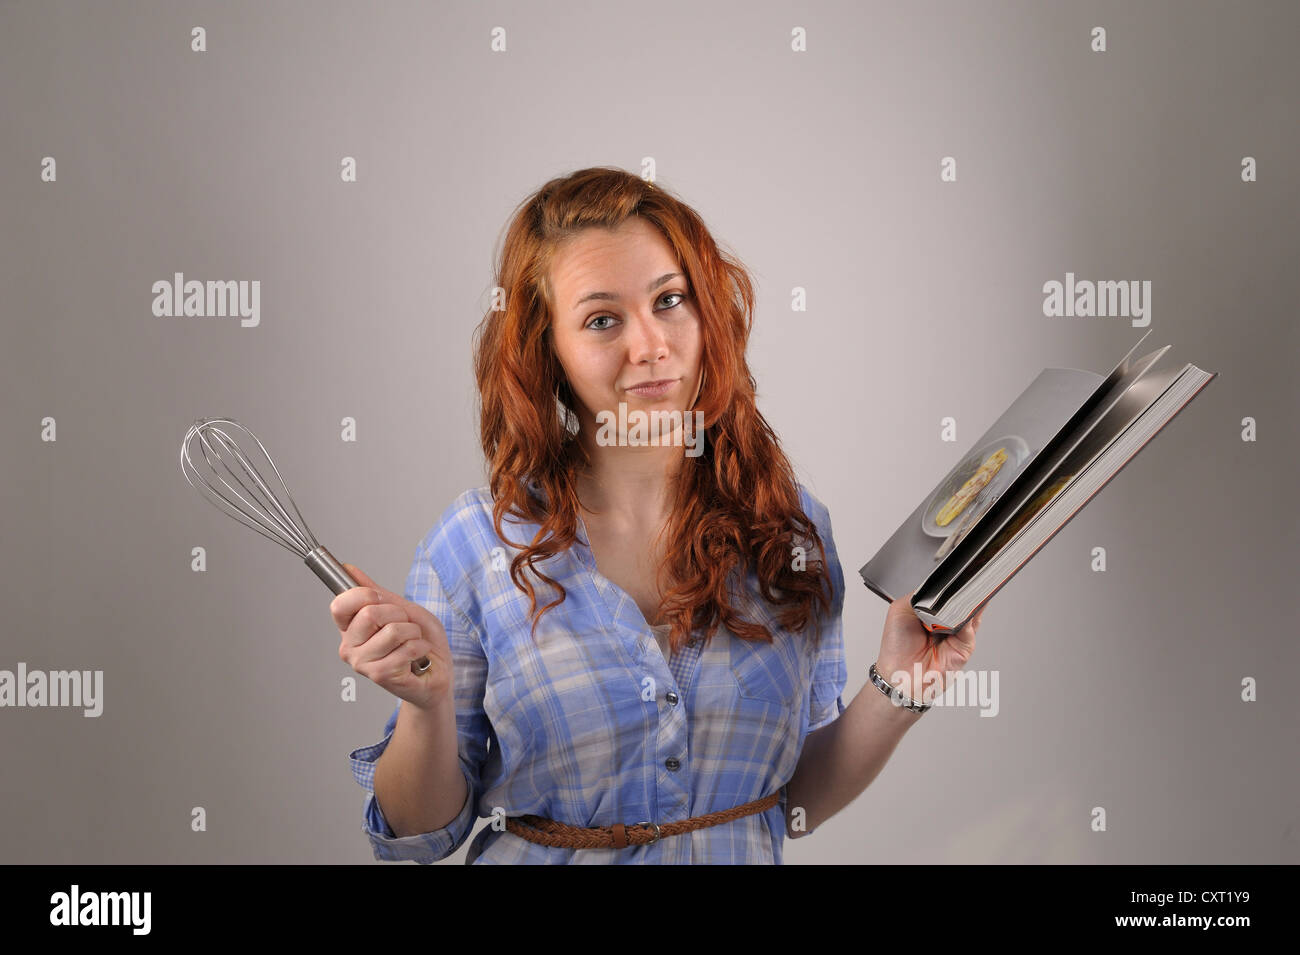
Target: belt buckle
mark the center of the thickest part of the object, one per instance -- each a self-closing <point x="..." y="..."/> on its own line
<point x="656" y="827"/>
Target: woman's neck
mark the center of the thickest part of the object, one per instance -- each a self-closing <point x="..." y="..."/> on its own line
<point x="632" y="484"/>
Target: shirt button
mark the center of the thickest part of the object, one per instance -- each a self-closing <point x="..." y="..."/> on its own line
<point x="672" y="763"/>
<point x="671" y="697"/>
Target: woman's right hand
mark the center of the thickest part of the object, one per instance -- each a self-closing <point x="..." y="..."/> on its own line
<point x="384" y="633"/>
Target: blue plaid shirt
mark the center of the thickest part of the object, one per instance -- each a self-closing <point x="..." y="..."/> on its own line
<point x="561" y="728"/>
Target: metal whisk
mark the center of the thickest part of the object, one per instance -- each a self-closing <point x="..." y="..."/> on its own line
<point x="217" y="443"/>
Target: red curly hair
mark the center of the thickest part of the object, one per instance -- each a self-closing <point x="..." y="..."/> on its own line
<point x="735" y="507"/>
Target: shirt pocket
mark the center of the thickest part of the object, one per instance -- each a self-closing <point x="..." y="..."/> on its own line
<point x="770" y="672"/>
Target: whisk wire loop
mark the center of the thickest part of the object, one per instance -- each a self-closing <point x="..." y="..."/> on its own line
<point x="210" y="483"/>
<point x="262" y="509"/>
<point x="266" y="507"/>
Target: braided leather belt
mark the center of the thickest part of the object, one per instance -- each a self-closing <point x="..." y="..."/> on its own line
<point x="548" y="832"/>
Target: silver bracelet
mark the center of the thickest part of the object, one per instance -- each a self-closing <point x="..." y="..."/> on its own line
<point x="895" y="695"/>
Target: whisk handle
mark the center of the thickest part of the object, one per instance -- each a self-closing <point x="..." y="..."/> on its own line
<point x="337" y="579"/>
<point x="330" y="570"/>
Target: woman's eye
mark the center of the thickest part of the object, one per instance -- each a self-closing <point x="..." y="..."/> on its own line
<point x="608" y="318"/>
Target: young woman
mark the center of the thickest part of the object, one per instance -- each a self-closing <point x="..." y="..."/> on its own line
<point x="634" y="631"/>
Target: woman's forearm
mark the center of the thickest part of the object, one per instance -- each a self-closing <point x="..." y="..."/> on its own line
<point x="841" y="759"/>
<point x="418" y="780"/>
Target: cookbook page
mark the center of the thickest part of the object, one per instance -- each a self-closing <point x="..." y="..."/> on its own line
<point x="986" y="471"/>
<point x="1046" y="477"/>
<point x="1134" y="403"/>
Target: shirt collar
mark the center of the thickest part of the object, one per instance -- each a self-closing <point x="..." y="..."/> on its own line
<point x="535" y="488"/>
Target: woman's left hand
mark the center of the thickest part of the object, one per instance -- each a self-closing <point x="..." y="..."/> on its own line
<point x="906" y="643"/>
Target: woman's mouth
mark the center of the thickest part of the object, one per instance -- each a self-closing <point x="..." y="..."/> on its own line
<point x="653" y="389"/>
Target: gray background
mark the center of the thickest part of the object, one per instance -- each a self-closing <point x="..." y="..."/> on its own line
<point x="818" y="169"/>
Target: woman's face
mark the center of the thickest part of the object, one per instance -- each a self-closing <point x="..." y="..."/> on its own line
<point x="624" y="317"/>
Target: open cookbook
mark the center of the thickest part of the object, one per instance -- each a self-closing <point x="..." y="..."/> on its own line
<point x="1058" y="444"/>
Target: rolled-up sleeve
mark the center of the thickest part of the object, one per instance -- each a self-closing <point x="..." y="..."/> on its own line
<point x="830" y="672"/>
<point x="423" y="586"/>
<point x="424" y="847"/>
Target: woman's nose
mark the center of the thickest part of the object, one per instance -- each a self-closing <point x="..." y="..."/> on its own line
<point x="646" y="340"/>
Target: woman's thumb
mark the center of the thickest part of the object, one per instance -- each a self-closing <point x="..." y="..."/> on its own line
<point x="900" y="606"/>
<point x="359" y="576"/>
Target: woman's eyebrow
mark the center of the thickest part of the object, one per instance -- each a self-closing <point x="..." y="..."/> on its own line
<point x="611" y="297"/>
